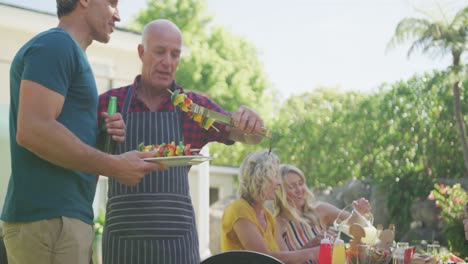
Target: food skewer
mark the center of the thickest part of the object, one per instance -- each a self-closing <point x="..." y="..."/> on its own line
<point x="204" y="116"/>
<point x="185" y="103"/>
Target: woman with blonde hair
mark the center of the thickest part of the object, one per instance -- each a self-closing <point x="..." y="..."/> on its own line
<point x="247" y="224"/>
<point x="301" y="220"/>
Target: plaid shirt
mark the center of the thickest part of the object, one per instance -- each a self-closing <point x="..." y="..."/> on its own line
<point x="194" y="134"/>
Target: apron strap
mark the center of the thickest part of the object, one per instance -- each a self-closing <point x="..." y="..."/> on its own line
<point x="129" y="96"/>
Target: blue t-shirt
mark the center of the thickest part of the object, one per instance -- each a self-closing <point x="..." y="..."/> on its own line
<point x="37" y="188"/>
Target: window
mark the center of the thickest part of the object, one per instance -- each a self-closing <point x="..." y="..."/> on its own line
<point x="214" y="195"/>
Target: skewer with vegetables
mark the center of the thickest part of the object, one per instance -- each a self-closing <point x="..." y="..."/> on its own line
<point x="184" y="103"/>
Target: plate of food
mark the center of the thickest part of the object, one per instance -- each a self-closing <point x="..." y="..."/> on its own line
<point x="174" y="155"/>
<point x="180" y="160"/>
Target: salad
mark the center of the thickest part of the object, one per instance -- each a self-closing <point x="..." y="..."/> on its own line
<point x="168" y="150"/>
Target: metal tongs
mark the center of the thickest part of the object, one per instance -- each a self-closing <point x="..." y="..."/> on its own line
<point x="222" y="118"/>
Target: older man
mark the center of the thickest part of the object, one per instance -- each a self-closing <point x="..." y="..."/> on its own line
<point x="154" y="222"/>
<point x="53" y="131"/>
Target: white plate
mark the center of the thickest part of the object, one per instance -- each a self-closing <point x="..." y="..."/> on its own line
<point x="180" y="160"/>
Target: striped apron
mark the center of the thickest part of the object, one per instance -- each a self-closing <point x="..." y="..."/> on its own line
<point x="152" y="222"/>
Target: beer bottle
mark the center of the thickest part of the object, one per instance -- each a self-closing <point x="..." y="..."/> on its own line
<point x="109" y="143"/>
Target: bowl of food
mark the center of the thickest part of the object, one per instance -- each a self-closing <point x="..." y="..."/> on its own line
<point x="365" y="254"/>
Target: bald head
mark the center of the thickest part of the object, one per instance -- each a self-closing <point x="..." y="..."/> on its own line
<point x="157" y="27"/>
<point x="159" y="51"/>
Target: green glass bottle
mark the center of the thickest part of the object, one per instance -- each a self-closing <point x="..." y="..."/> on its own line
<point x="109" y="143"/>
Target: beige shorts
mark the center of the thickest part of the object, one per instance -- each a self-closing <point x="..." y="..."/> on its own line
<point x="51" y="241"/>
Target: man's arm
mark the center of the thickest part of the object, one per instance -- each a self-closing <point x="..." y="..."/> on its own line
<point x="40" y="132"/>
<point x="239" y="136"/>
<point x="280" y="230"/>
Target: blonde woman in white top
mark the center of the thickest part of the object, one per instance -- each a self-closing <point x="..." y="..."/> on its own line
<point x="301" y="220"/>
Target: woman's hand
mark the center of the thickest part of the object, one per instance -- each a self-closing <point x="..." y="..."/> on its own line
<point x="315" y="242"/>
<point x="363" y="206"/>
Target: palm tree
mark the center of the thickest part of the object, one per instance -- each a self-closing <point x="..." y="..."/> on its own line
<point x="439" y="37"/>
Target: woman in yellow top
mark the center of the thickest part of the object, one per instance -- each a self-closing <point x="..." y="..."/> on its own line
<point x="247" y="224"/>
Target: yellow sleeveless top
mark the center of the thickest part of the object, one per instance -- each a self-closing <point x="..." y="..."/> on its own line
<point x="238" y="209"/>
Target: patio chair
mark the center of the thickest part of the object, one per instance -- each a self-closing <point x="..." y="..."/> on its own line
<point x="241" y="257"/>
<point x="3" y="255"/>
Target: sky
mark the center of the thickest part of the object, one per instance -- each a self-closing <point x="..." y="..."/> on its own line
<point x="306" y="44"/>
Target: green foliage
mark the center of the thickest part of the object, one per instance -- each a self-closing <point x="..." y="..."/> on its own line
<point x="314" y="131"/>
<point x="434" y="35"/>
<point x="420" y="131"/>
<point x="401" y="139"/>
<point x="99" y="223"/>
<point x="226" y="68"/>
<point x="189" y="15"/>
<point x="438" y="36"/>
<point x="452" y="200"/>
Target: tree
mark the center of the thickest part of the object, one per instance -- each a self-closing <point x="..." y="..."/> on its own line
<point x="189" y="15"/>
<point x="320" y="132"/>
<point x="439" y="36"/>
<point x="400" y="140"/>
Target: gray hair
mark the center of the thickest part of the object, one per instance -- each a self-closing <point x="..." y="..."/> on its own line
<point x="158" y="24"/>
<point x="255" y="172"/>
<point x="65" y="7"/>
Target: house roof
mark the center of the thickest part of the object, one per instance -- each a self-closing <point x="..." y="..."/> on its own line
<point x="54" y="15"/>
